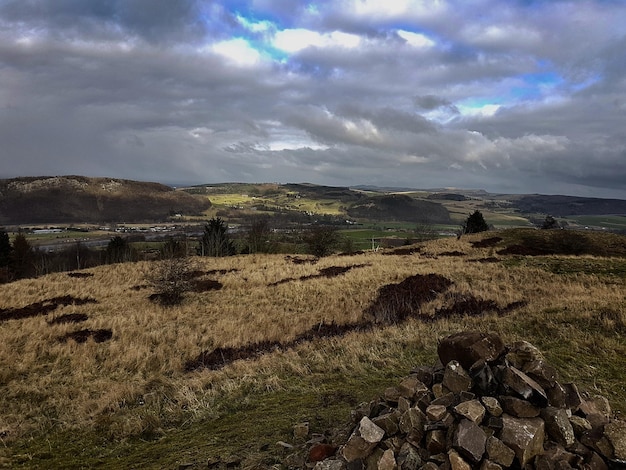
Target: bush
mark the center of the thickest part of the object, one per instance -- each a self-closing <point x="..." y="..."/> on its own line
<point x="171" y="279"/>
<point x="475" y="223"/>
<point x="321" y="240"/>
<point x="215" y="240"/>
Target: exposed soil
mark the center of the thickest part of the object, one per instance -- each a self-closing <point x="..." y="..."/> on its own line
<point x="81" y="336"/>
<point x="522" y="250"/>
<point x="471" y="306"/>
<point x="80" y="275"/>
<point x="140" y="287"/>
<point x="331" y="271"/>
<point x="351" y="253"/>
<point x="491" y="259"/>
<point x="42" y="308"/>
<point x="297" y="260"/>
<point x="405" y="250"/>
<point x="397" y="302"/>
<point x="487" y="242"/>
<point x="212" y="272"/>
<point x="452" y="253"/>
<point x="205" y="285"/>
<point x="69" y="318"/>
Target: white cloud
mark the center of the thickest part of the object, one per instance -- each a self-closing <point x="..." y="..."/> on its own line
<point x="294" y="40"/>
<point x="238" y="51"/>
<point x="416" y="39"/>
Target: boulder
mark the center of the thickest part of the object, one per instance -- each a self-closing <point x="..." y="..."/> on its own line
<point x="469" y="440"/>
<point x="524" y="435"/>
<point x="470" y="346"/>
<point x="455" y="378"/>
<point x="363" y="440"/>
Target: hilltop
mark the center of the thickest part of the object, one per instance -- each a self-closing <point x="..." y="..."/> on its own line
<point x="76" y="199"/>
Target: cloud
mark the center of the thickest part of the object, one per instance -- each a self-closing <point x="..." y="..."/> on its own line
<point x="525" y="97"/>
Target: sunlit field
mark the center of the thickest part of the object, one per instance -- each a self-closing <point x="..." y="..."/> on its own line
<point x="125" y="391"/>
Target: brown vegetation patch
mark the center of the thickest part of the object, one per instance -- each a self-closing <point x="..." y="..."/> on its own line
<point x="42" y="308"/>
<point x="490" y="259"/>
<point x="397" y="302"/>
<point x="405" y="250"/>
<point x="140" y="287"/>
<point x="221" y="357"/>
<point x="452" y="253"/>
<point x="205" y="285"/>
<point x="487" y="242"/>
<point x="212" y="272"/>
<point x="470" y="306"/>
<point x="331" y="271"/>
<point x="81" y="336"/>
<point x="521" y="250"/>
<point x="80" y="275"/>
<point x="297" y="260"/>
<point x="69" y="318"/>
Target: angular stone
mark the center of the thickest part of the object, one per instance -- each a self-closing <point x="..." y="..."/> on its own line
<point x="430" y="466"/>
<point x="363" y="440"/>
<point x="595" y="462"/>
<point x="471" y="410"/>
<point x="499" y="452"/>
<point x="615" y="432"/>
<point x="489" y="465"/>
<point x="424" y="374"/>
<point x="557" y="395"/>
<point x="436" y="412"/>
<point x="403" y="405"/>
<point x="579" y="424"/>
<point x="388" y="422"/>
<point x="446" y="400"/>
<point x="466" y="396"/>
<point x="412" y="388"/>
<point x="436" y="441"/>
<point x="413" y="421"/>
<point x="330" y="465"/>
<point x="518" y="407"/>
<point x="495" y="422"/>
<point x="470" y="346"/>
<point x="596" y="440"/>
<point x="301" y="430"/>
<point x="524" y="386"/>
<point x="555" y="456"/>
<point x="457" y="462"/>
<point x="387" y="461"/>
<point x="522" y="353"/>
<point x="573" y="399"/>
<point x="483" y="378"/>
<point x="492" y="405"/>
<point x="558" y="426"/>
<point x="408" y="457"/>
<point x="469" y="440"/>
<point x="543" y="373"/>
<point x="438" y="390"/>
<point x="392" y="394"/>
<point x="455" y="378"/>
<point x="596" y="405"/>
<point x="524" y="435"/>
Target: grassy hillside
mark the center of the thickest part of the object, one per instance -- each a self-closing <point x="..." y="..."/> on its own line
<point x="78" y="199"/>
<point x="131" y="395"/>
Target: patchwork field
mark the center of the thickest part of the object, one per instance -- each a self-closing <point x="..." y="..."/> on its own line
<point x="93" y="374"/>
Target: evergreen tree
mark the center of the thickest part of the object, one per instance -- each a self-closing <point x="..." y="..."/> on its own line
<point x="22" y="258"/>
<point x="475" y="223"/>
<point x="215" y="240"/>
<point x="118" y="251"/>
<point x="5" y="249"/>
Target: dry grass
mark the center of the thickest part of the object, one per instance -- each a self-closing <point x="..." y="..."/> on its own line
<point x="136" y="384"/>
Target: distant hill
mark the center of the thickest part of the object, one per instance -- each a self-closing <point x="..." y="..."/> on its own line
<point x="400" y="207"/>
<point x="562" y="206"/>
<point x="74" y="199"/>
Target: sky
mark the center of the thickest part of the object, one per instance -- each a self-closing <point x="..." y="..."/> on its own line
<point x="510" y="96"/>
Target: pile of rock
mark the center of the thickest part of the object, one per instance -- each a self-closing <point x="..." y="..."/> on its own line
<point x="485" y="405"/>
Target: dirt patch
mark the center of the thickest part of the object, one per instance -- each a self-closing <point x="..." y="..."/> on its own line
<point x="491" y="259"/>
<point x="221" y="357"/>
<point x="486" y="243"/>
<point x="522" y="250"/>
<point x="452" y="253"/>
<point x="205" y="285"/>
<point x="470" y="306"/>
<point x="297" y="260"/>
<point x="80" y="275"/>
<point x="69" y="318"/>
<point x="397" y="302"/>
<point x="212" y="272"/>
<point x="331" y="271"/>
<point x="406" y="250"/>
<point x="140" y="287"/>
<point x="81" y="336"/>
<point x="42" y="308"/>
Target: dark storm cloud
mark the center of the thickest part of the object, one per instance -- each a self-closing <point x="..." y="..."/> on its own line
<point x="522" y="96"/>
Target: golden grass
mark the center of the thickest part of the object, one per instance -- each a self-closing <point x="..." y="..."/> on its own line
<point x="136" y="382"/>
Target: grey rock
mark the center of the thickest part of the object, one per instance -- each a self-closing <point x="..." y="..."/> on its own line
<point x="457" y="462"/>
<point x="446" y="400"/>
<point x="455" y="378"/>
<point x="499" y="452"/>
<point x="412" y="388"/>
<point x="363" y="440"/>
<point x="387" y="461"/>
<point x="579" y="424"/>
<point x="543" y="373"/>
<point x="492" y="405"/>
<point x="388" y="422"/>
<point x="413" y="420"/>
<point x="489" y="465"/>
<point x="408" y="457"/>
<point x="471" y="410"/>
<point x="615" y="432"/>
<point x="524" y="386"/>
<point x="469" y="440"/>
<point x="558" y="426"/>
<point x="436" y="412"/>
<point x="483" y="378"/>
<point x="524" y="435"/>
<point x="522" y="353"/>
<point x="436" y="441"/>
<point x="573" y="399"/>
<point x="470" y="346"/>
<point x="518" y="407"/>
<point x="333" y="464"/>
